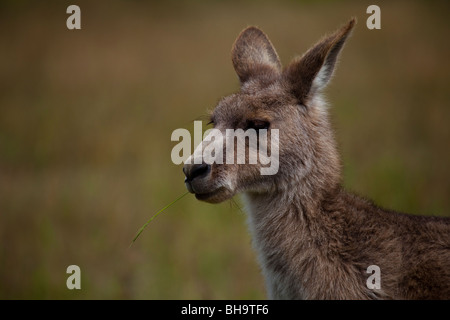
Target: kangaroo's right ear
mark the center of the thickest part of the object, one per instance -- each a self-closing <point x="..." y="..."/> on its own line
<point x="311" y="73"/>
<point x="254" y="56"/>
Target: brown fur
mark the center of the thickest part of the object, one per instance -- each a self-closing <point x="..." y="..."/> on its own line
<point x="315" y="240"/>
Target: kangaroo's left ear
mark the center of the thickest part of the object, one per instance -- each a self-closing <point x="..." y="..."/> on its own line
<point x="254" y="56"/>
<point x="310" y="73"/>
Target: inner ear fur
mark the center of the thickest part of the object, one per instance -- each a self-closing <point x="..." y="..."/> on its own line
<point x="311" y="72"/>
<point x="254" y="56"/>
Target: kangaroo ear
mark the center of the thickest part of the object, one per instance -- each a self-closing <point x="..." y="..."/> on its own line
<point x="310" y="73"/>
<point x="254" y="56"/>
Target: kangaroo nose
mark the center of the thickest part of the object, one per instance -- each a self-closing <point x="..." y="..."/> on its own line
<point x="193" y="171"/>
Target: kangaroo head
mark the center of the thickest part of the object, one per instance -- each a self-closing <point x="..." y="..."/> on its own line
<point x="272" y="100"/>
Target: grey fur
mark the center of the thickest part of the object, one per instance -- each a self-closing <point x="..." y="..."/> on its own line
<point x="315" y="240"/>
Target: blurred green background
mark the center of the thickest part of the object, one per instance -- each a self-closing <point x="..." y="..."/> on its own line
<point x="86" y="118"/>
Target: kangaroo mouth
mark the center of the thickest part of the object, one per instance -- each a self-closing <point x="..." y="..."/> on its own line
<point x="207" y="192"/>
<point x="204" y="196"/>
<point x="218" y="195"/>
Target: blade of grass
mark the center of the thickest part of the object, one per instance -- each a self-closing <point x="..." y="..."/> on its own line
<point x="155" y="215"/>
<point x="232" y="199"/>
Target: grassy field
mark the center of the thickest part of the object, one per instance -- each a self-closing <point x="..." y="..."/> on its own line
<point x="86" y="118"/>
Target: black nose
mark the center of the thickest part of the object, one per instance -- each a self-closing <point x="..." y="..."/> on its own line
<point x="196" y="170"/>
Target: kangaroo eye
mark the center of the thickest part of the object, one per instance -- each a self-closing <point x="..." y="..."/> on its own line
<point x="257" y="124"/>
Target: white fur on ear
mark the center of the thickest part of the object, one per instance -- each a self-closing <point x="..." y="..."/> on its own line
<point x="312" y="72"/>
<point x="322" y="78"/>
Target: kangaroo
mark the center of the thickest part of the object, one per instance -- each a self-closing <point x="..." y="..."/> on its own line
<point x="314" y="240"/>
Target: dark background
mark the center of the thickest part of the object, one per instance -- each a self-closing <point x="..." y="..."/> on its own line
<point x="86" y="118"/>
